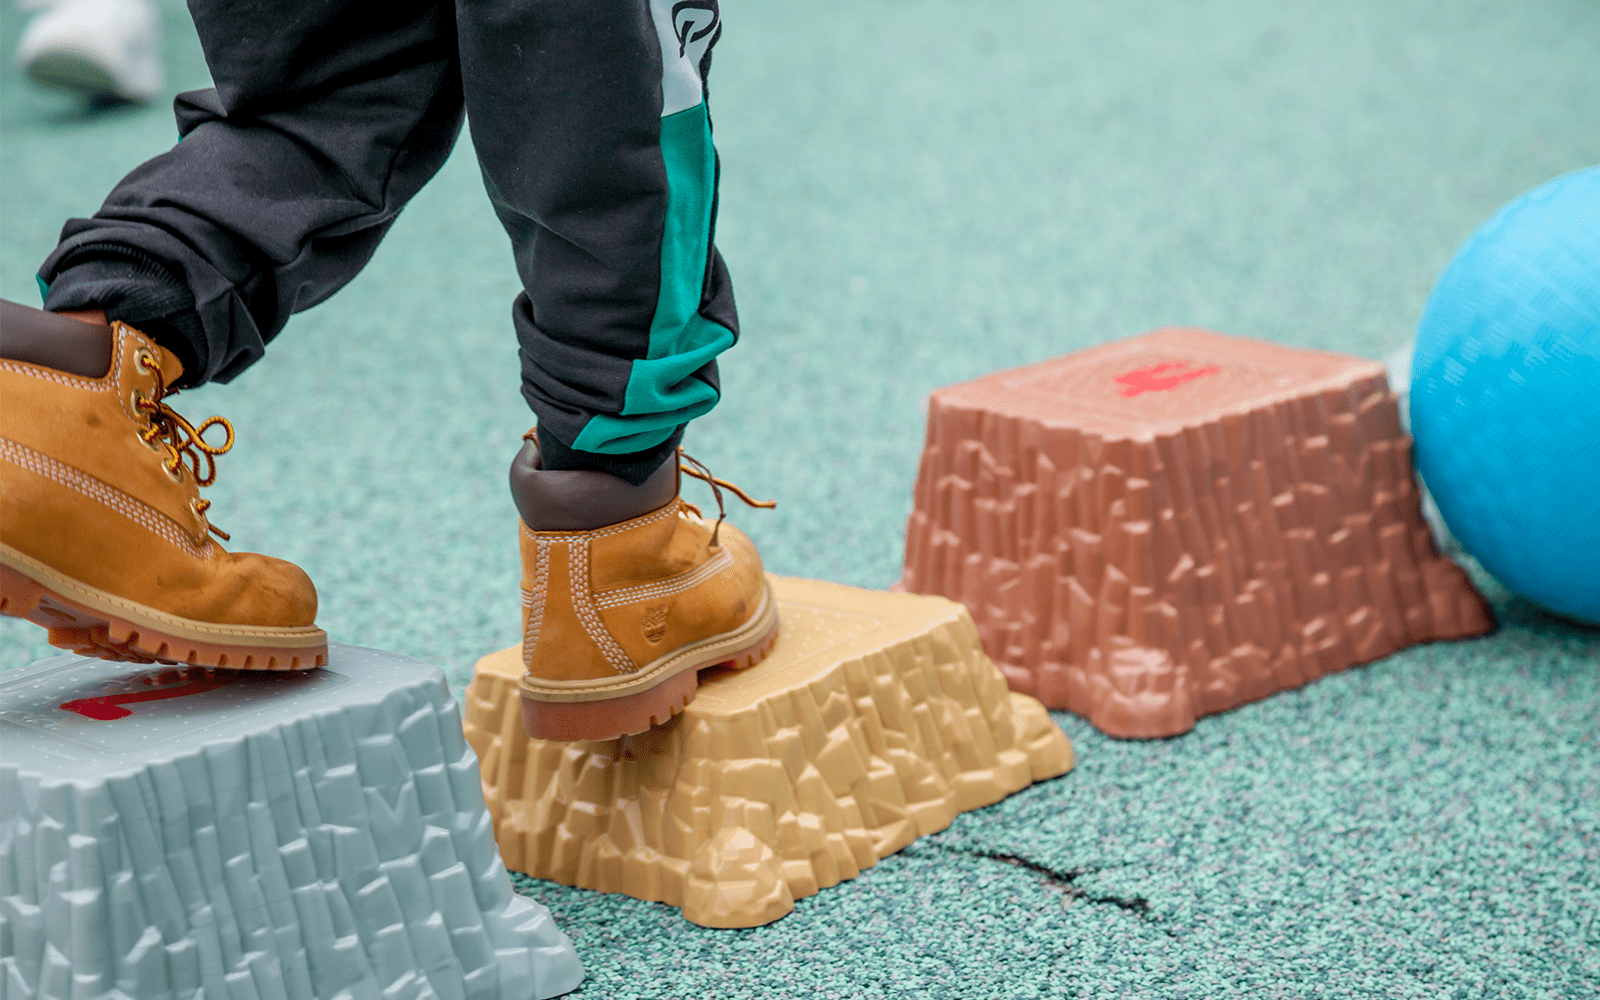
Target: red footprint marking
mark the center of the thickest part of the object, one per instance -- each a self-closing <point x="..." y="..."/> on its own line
<point x="1167" y="375"/>
<point x="108" y="707"/>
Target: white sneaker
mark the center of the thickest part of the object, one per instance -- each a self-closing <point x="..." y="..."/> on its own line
<point x="103" y="49"/>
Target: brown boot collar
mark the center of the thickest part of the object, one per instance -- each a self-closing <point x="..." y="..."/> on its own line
<point x="582" y="500"/>
<point x="36" y="337"/>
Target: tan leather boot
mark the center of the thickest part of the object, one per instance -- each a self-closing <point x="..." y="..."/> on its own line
<point x="627" y="593"/>
<point x="103" y="535"/>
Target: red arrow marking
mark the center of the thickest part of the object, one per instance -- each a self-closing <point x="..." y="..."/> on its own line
<point x="1157" y="378"/>
<point x="109" y="707"/>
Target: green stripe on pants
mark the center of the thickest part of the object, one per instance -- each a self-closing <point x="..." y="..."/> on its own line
<point x="662" y="391"/>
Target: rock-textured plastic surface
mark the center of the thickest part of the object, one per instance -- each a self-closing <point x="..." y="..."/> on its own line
<point x="1169" y="526"/>
<point x="875" y="720"/>
<point x="170" y="834"/>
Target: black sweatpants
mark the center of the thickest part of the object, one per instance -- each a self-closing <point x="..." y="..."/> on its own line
<point x="590" y="126"/>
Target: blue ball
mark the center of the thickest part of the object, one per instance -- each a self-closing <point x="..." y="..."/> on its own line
<point x="1505" y="395"/>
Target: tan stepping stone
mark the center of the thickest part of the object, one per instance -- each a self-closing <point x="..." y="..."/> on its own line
<point x="1168" y="526"/>
<point x="875" y="720"/>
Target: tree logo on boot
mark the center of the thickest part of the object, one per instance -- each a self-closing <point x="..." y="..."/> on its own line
<point x="655" y="622"/>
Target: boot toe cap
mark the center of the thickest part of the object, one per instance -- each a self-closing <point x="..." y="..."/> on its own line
<point x="271" y="592"/>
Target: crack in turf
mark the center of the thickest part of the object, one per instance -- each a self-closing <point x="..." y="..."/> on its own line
<point x="1065" y="882"/>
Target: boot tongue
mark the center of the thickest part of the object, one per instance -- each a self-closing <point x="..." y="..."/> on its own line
<point x="582" y="500"/>
<point x="171" y="367"/>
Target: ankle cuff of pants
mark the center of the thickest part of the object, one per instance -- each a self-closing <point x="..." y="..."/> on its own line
<point x="633" y="468"/>
<point x="137" y="289"/>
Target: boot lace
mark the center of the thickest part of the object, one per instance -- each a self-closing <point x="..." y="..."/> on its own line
<point x="185" y="443"/>
<point x="694" y="467"/>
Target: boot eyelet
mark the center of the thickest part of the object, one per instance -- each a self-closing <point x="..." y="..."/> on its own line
<point x="176" y="475"/>
<point x="135" y="397"/>
<point x="144" y="361"/>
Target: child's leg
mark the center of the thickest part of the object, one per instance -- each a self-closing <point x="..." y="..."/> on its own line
<point x="589" y="120"/>
<point x="325" y="120"/>
<point x="590" y="123"/>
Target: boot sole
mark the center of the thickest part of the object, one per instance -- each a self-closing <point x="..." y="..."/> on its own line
<point x="95" y="623"/>
<point x="652" y="696"/>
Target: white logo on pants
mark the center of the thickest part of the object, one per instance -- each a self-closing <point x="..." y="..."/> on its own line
<point x="686" y="28"/>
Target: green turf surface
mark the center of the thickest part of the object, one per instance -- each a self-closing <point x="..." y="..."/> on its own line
<point x="914" y="194"/>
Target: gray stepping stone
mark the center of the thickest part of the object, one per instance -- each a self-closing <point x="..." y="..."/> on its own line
<point x="171" y="834"/>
